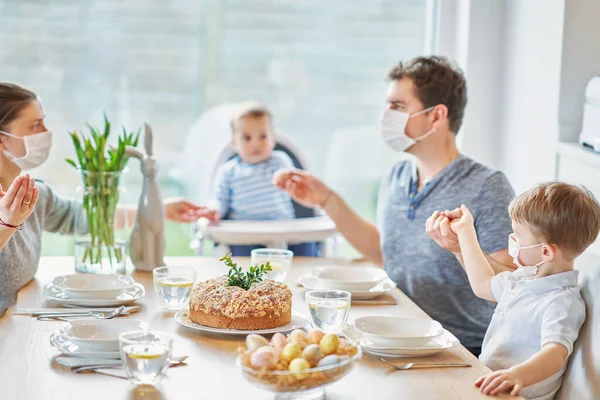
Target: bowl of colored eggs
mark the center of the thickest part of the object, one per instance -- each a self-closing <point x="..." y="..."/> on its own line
<point x="298" y="365"/>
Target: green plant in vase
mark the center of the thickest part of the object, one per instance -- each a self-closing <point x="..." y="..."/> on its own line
<point x="100" y="166"/>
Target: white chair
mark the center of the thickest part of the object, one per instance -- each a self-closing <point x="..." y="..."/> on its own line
<point x="581" y="381"/>
<point x="210" y="132"/>
<point x="310" y="225"/>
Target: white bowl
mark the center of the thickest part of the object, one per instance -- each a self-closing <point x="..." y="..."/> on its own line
<point x="84" y="286"/>
<point x="398" y="331"/>
<point x="351" y="279"/>
<point x="99" y="334"/>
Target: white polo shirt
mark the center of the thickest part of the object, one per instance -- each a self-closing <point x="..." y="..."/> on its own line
<point x="531" y="313"/>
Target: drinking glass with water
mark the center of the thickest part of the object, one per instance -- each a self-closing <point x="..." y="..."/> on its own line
<point x="328" y="309"/>
<point x="145" y="355"/>
<point x="280" y="260"/>
<point x="174" y="286"/>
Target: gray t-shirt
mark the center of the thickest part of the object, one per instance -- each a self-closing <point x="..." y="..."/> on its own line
<point x="431" y="276"/>
<point x="20" y="257"/>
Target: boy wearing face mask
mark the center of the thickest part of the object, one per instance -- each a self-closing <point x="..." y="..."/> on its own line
<point x="540" y="309"/>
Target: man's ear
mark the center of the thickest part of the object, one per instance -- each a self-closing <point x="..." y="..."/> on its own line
<point x="440" y="114"/>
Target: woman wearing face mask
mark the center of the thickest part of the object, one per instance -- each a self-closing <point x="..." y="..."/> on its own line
<point x="25" y="144"/>
<point x="426" y="101"/>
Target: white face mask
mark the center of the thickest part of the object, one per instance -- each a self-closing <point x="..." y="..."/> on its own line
<point x="514" y="249"/>
<point x="37" y="149"/>
<point x="393" y="129"/>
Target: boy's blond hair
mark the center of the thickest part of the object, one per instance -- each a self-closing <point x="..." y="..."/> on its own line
<point x="252" y="109"/>
<point x="559" y="213"/>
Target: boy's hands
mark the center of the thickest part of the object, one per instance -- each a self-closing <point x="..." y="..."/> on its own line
<point x="443" y="227"/>
<point x="461" y="220"/>
<point x="501" y="381"/>
<point x="438" y="228"/>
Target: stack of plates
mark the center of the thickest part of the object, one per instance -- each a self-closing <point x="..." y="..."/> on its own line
<point x="93" y="338"/>
<point x="85" y="290"/>
<point x="400" y="336"/>
<point x="363" y="282"/>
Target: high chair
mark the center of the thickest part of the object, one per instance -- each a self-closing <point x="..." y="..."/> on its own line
<point x="310" y="224"/>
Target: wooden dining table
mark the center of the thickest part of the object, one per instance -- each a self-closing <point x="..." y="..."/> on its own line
<point x="28" y="370"/>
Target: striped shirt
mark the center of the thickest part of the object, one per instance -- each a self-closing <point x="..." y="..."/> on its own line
<point x="245" y="191"/>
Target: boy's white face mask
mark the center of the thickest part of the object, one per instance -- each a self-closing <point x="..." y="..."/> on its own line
<point x="37" y="150"/>
<point x="513" y="250"/>
<point x="393" y="129"/>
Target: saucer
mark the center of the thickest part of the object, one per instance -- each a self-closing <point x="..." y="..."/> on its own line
<point x="68" y="348"/>
<point x="126" y="297"/>
<point x="446" y="341"/>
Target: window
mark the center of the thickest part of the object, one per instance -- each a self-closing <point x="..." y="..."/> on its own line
<point x="320" y="66"/>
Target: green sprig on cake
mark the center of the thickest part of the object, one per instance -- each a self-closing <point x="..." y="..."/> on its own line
<point x="237" y="277"/>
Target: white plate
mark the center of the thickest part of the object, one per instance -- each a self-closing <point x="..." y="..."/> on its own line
<point x="296" y="323"/>
<point x="309" y="282"/>
<point x="99" y="334"/>
<point x="398" y="331"/>
<point x="126" y="297"/>
<point x="352" y="279"/>
<point x="446" y="341"/>
<point x="88" y="286"/>
<point x="68" y="348"/>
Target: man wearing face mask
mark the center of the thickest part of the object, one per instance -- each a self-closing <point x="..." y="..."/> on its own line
<point x="25" y="143"/>
<point x="426" y="102"/>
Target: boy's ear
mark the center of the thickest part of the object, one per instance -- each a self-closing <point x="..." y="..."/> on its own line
<point x="549" y="252"/>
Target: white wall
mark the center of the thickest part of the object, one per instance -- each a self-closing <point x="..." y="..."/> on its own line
<point x="530" y="82"/>
<point x="581" y="61"/>
<point x="527" y="64"/>
<point x="479" y="137"/>
<point x="512" y="60"/>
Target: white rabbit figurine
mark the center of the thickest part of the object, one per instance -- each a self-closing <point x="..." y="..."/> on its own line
<point x="147" y="241"/>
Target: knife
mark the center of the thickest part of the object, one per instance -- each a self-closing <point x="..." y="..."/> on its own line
<point x="34" y="312"/>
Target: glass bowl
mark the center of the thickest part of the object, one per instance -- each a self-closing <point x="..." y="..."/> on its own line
<point x="309" y="384"/>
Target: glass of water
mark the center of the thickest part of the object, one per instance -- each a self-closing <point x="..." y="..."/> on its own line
<point x="173" y="286"/>
<point x="145" y="355"/>
<point x="328" y="309"/>
<point x="281" y="262"/>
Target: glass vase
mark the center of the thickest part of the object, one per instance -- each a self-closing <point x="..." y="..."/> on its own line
<point x="103" y="249"/>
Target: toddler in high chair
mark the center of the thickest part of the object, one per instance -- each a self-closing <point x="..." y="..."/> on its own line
<point x="540" y="309"/>
<point x="243" y="185"/>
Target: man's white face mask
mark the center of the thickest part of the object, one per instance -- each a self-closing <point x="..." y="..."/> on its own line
<point x="393" y="129"/>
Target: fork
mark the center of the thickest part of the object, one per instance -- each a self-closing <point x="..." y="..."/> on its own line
<point x="97" y="315"/>
<point x="174" y="362"/>
<point x="424" y="365"/>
